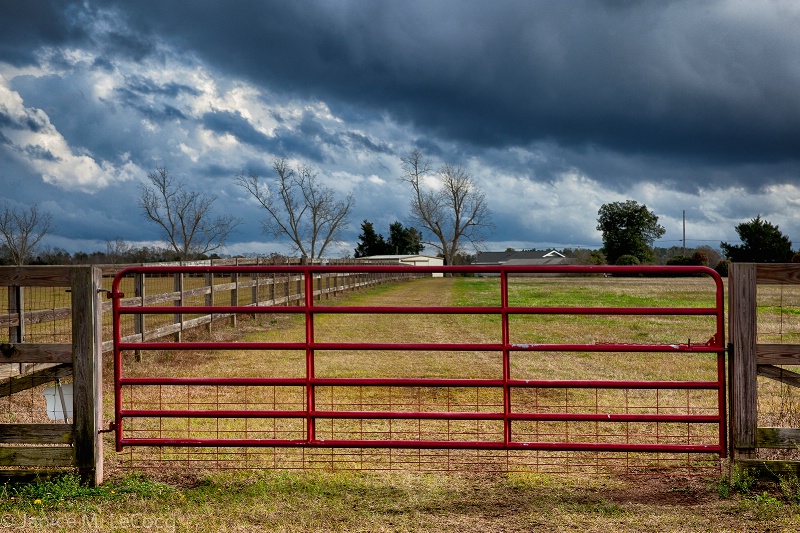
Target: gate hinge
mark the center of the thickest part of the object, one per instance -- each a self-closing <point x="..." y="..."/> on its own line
<point x="110" y="295"/>
<point x="730" y="350"/>
<point x="111" y="427"/>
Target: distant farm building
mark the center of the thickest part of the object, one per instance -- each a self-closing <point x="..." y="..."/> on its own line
<point x="411" y="260"/>
<point x="523" y="258"/>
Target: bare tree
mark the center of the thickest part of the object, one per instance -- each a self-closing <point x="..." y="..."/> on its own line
<point x="117" y="249"/>
<point x="22" y="230"/>
<point x="454" y="212"/>
<point x="184" y="216"/>
<point x="299" y="207"/>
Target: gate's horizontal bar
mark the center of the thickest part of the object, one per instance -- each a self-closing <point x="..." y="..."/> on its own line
<point x="432" y="310"/>
<point x="449" y="347"/>
<point x="303" y="346"/>
<point x="515" y="310"/>
<point x="405" y="415"/>
<point x="266" y="382"/>
<point x="206" y="310"/>
<point x="426" y="382"/>
<point x="622" y="347"/>
<point x="471" y="445"/>
<point x="455" y="269"/>
<point x="609" y="384"/>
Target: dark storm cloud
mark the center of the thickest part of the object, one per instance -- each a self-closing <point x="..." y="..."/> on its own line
<point x="234" y="124"/>
<point x="146" y="86"/>
<point x="138" y="91"/>
<point x="666" y="78"/>
<point x="288" y="142"/>
<point x="673" y="79"/>
<point x="24" y="26"/>
<point x="160" y="113"/>
<point x="362" y="142"/>
<point x="29" y="122"/>
<point x="687" y="96"/>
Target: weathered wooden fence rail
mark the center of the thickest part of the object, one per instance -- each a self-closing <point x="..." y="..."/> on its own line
<point x="269" y="290"/>
<point x="236" y="289"/>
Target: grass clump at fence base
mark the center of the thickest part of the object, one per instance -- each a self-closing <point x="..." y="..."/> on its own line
<point x="66" y="493"/>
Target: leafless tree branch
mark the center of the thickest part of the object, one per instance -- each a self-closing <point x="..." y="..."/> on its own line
<point x="22" y="230"/>
<point x="455" y="212"/>
<point x="184" y="216"/>
<point x="299" y="207"/>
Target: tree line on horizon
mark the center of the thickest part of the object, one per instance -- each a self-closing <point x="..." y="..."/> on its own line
<point x="301" y="209"/>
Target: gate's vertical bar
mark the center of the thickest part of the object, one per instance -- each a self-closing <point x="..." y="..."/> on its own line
<point x="138" y="319"/>
<point x="506" y="357"/>
<point x="722" y="393"/>
<point x="178" y="319"/>
<point x="87" y="399"/>
<point x="116" y="333"/>
<point x="309" y="314"/>
<point x="235" y="293"/>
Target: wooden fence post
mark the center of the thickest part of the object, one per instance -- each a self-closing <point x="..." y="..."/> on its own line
<point x="16" y="305"/>
<point x="742" y="327"/>
<point x="209" y="300"/>
<point x="255" y="277"/>
<point x="87" y="334"/>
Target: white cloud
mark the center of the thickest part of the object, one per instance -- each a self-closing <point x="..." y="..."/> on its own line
<point x="35" y="141"/>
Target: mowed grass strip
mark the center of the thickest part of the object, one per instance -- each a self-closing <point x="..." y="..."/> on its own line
<point x="232" y="501"/>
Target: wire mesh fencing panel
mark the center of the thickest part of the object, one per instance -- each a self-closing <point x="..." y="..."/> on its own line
<point x="510" y="372"/>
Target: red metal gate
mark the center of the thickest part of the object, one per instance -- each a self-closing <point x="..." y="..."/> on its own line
<point x="513" y="410"/>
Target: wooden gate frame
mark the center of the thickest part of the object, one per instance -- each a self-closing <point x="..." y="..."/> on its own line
<point x="83" y="355"/>
<point x="748" y="359"/>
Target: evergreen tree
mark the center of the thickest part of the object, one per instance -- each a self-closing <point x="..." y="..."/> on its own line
<point x="404" y="241"/>
<point x="369" y="242"/>
<point x="762" y="242"/>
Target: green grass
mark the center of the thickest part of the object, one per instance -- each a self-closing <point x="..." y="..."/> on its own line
<point x="588" y="292"/>
<point x="357" y="501"/>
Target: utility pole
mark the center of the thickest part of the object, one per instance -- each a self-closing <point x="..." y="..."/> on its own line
<point x="684" y="233"/>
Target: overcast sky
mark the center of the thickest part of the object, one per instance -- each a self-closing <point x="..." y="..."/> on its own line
<point x="555" y="108"/>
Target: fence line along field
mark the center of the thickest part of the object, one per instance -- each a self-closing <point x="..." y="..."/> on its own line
<point x="582" y="291"/>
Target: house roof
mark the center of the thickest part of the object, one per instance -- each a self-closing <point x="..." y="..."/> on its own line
<point x="396" y="257"/>
<point x="524" y="257"/>
<point x="423" y="260"/>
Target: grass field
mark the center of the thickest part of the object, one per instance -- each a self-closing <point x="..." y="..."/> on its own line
<point x="191" y="496"/>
